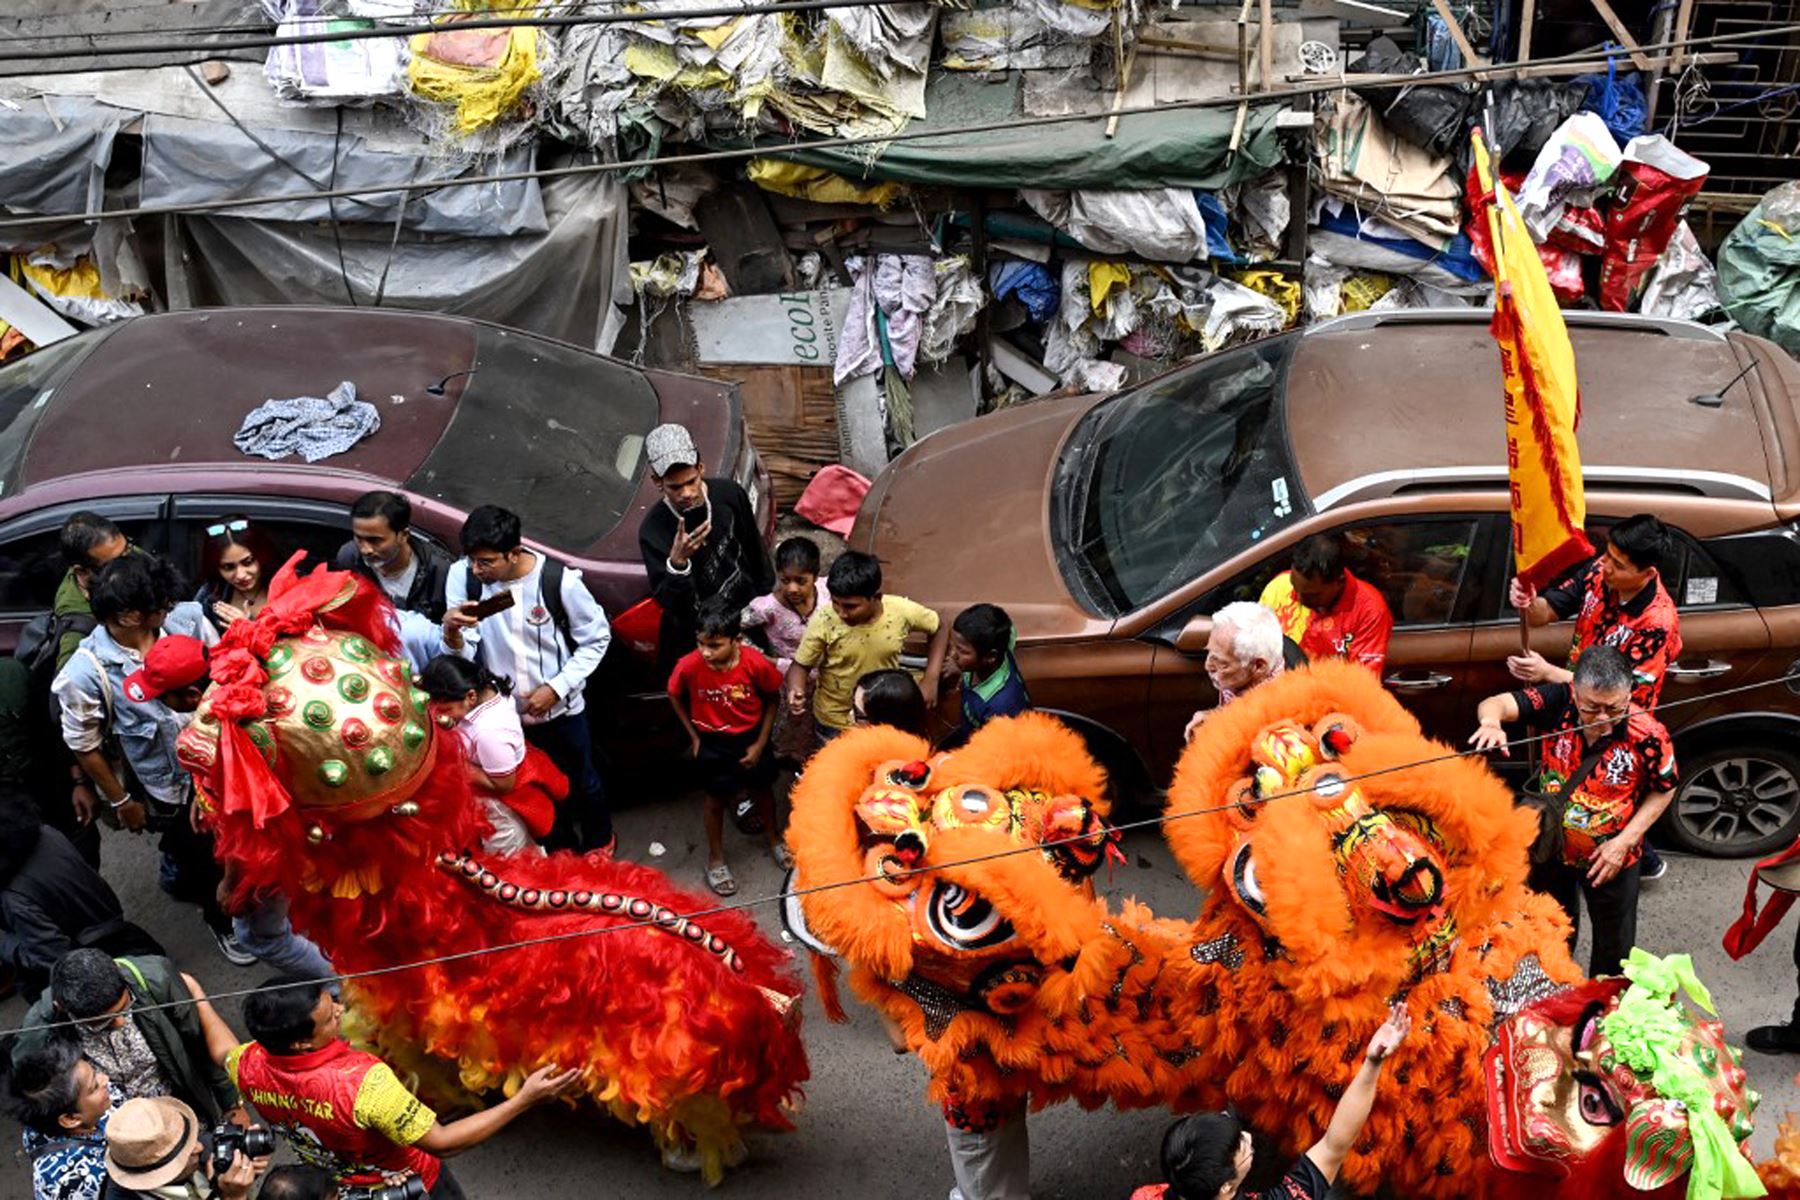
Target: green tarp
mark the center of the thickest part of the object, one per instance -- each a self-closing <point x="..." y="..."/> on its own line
<point x="1179" y="148"/>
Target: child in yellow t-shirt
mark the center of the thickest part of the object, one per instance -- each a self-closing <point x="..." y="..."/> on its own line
<point x="860" y="631"/>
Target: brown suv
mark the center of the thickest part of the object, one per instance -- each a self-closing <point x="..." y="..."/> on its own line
<point x="1110" y="527"/>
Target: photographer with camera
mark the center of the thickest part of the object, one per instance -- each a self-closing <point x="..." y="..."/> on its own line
<point x="156" y="1149"/>
<point x="344" y="1109"/>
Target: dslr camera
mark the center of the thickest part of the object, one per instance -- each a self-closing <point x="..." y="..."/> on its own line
<point x="258" y="1141"/>
<point x="410" y="1188"/>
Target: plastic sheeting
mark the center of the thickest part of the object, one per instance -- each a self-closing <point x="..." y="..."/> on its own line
<point x="570" y="283"/>
<point x="193" y="162"/>
<point x="1759" y="269"/>
<point x="54" y="152"/>
<point x="1162" y="224"/>
<point x="1187" y="148"/>
<point x="1683" y="284"/>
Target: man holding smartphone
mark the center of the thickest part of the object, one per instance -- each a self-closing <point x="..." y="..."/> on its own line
<point x="533" y="621"/>
<point x="699" y="544"/>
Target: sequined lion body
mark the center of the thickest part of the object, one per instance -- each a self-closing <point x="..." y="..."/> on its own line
<point x="1346" y="862"/>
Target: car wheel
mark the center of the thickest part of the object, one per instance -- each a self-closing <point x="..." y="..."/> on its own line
<point x="1736" y="802"/>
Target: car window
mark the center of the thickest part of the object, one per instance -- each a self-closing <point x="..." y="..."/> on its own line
<point x="1761" y="568"/>
<point x="1689" y="573"/>
<point x="1420" y="567"/>
<point x="1157" y="485"/>
<point x="31" y="563"/>
<point x="552" y="433"/>
<point x="26" y="387"/>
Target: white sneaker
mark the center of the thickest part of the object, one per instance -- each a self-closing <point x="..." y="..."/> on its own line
<point x="683" y="1159"/>
<point x="233" y="950"/>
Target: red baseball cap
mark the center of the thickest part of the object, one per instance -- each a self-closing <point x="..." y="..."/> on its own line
<point x="175" y="662"/>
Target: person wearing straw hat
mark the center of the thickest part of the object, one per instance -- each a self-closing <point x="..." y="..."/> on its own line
<point x="155" y="1149"/>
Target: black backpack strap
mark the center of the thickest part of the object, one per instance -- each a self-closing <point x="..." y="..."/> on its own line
<point x="553" y="601"/>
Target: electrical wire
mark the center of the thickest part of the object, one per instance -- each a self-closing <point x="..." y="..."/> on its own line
<point x="1575" y="64"/>
<point x="654" y="921"/>
<point x="213" y="49"/>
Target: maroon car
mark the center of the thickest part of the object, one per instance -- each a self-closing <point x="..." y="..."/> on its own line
<point x="136" y="422"/>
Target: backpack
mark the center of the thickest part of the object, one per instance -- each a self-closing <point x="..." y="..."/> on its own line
<point x="553" y="597"/>
<point x="37" y="652"/>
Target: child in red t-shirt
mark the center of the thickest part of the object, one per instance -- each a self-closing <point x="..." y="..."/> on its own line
<point x="725" y="693"/>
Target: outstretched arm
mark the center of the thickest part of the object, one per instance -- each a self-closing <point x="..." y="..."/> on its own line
<point x="1352" y="1113"/>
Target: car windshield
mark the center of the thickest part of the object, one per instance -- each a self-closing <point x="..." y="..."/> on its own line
<point x="25" y="390"/>
<point x="551" y="432"/>
<point x="1160" y="483"/>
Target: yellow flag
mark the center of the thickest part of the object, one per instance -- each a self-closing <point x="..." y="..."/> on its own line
<point x="1543" y="397"/>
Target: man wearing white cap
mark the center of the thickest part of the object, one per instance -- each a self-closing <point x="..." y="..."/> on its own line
<point x="702" y="541"/>
<point x="154" y="1151"/>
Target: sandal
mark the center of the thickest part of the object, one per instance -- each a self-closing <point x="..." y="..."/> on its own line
<point x="720" y="881"/>
<point x="784" y="858"/>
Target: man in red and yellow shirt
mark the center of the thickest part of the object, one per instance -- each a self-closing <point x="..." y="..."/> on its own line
<point x="1613" y="766"/>
<point x="343" y="1109"/>
<point x="1327" y="611"/>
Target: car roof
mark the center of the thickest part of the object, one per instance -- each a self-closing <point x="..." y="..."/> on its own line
<point x="1377" y="403"/>
<point x="172" y="389"/>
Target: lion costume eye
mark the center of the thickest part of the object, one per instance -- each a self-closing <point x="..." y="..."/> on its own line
<point x="1597" y="1104"/>
<point x="964" y="920"/>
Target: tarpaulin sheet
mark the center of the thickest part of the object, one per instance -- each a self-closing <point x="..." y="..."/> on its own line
<point x="195" y="161"/>
<point x="54" y="152"/>
<point x="566" y="283"/>
<point x="1186" y="148"/>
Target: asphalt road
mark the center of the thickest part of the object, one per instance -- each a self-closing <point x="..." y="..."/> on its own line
<point x="866" y="1130"/>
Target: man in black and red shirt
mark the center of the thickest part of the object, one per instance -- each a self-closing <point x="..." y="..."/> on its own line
<point x="1613" y="766"/>
<point x="1617" y="599"/>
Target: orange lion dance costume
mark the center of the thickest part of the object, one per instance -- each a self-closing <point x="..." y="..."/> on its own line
<point x="327" y="782"/>
<point x="1339" y="877"/>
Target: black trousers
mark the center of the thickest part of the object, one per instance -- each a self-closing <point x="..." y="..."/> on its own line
<point x="447" y="1187"/>
<point x="583" y="821"/>
<point x="194" y="872"/>
<point x="1612" y="907"/>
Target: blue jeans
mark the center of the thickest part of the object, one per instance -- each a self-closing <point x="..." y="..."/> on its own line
<point x="266" y="932"/>
<point x="583" y="821"/>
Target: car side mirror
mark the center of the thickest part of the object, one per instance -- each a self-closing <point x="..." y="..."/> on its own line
<point x="1193" y="637"/>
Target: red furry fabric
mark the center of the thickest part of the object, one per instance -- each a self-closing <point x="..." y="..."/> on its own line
<point x="665" y="1032"/>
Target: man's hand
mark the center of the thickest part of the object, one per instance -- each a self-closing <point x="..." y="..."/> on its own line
<point x="239" y="1177"/>
<point x="1194" y="723"/>
<point x="754" y="754"/>
<point x="1393" y="1031"/>
<point x="240" y="1117"/>
<point x="457" y="619"/>
<point x="543" y="698"/>
<point x="83" y="800"/>
<point x="133" y="815"/>
<point x="1521" y="594"/>
<point x="544" y="1083"/>
<point x="796" y="701"/>
<point x="1530" y="667"/>
<point x="197" y="817"/>
<point x="1609" y="859"/>
<point x="1490" y="736"/>
<point x="694" y="745"/>
<point x="688" y="542"/>
<point x="928" y="688"/>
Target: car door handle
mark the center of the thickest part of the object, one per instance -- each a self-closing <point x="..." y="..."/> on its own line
<point x="1423" y="683"/>
<point x="1712" y="670"/>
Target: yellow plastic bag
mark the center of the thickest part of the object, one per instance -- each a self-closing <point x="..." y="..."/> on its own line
<point x="1362" y="291"/>
<point x="483" y="72"/>
<point x="1277" y="287"/>
<point x="816" y="183"/>
<point x="1103" y="277"/>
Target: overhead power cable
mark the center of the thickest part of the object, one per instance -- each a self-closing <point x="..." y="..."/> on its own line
<point x="1575" y="63"/>
<point x="654" y="921"/>
<point x="398" y="31"/>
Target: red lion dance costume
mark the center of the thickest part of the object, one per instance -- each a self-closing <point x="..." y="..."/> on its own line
<point x="326" y="781"/>
<point x="1342" y="872"/>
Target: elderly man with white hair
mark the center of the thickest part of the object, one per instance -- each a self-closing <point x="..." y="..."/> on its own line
<point x="1244" y="649"/>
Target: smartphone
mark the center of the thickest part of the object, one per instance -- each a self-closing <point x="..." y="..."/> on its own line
<point x="693" y="518"/>
<point x="499" y="602"/>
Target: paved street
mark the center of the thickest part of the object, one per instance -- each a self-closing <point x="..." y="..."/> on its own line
<point x="866" y="1130"/>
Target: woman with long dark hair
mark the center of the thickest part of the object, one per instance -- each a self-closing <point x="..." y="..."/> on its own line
<point x="237" y="561"/>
